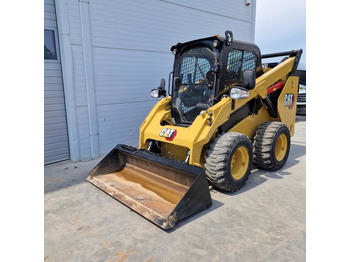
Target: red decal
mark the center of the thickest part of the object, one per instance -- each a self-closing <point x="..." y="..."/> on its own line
<point x="171" y="138"/>
<point x="168" y="134"/>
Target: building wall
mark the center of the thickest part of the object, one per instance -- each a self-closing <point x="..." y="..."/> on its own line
<point x="114" y="52"/>
<point x="55" y="126"/>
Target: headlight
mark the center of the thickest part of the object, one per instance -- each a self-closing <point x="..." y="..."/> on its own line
<point x="239" y="93"/>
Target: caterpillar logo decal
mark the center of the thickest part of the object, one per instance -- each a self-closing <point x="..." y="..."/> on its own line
<point x="289" y="100"/>
<point x="168" y="134"/>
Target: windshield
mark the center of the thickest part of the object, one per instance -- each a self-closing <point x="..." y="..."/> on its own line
<point x="194" y="82"/>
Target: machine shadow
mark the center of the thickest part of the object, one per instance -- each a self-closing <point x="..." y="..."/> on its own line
<point x="296" y="151"/>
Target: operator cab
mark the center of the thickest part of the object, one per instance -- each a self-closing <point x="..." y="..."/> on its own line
<point x="206" y="69"/>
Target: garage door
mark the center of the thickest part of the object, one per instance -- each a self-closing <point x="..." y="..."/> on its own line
<point x="56" y="146"/>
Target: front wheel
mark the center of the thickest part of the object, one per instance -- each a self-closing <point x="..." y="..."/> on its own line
<point x="229" y="161"/>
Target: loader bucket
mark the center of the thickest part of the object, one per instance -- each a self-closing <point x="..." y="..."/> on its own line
<point x="162" y="190"/>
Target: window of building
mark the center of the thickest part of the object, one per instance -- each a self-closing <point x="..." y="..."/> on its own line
<point x="50" y="51"/>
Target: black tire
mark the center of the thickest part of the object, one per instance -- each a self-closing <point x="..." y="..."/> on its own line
<point x="271" y="146"/>
<point x="229" y="153"/>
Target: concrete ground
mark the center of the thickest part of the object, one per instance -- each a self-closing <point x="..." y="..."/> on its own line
<point x="264" y="221"/>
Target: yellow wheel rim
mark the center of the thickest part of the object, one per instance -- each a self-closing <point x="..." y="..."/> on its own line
<point x="239" y="163"/>
<point x="281" y="147"/>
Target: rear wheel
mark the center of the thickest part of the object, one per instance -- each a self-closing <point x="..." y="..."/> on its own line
<point x="271" y="145"/>
<point x="229" y="161"/>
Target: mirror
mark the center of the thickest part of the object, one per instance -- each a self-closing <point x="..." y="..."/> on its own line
<point x="162" y="84"/>
<point x="161" y="88"/>
<point x="248" y="79"/>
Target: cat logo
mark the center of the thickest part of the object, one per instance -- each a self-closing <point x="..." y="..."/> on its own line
<point x="289" y="100"/>
<point x="168" y="134"/>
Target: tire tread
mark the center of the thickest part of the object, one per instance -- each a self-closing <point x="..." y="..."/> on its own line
<point x="217" y="159"/>
<point x="262" y="146"/>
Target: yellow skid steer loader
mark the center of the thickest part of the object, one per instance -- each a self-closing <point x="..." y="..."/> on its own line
<point x="224" y="112"/>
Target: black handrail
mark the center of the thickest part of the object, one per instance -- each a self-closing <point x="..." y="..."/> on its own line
<point x="288" y="53"/>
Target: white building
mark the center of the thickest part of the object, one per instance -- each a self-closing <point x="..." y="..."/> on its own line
<point x="102" y="58"/>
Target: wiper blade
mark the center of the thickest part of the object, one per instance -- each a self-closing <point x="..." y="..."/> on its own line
<point x="201" y="71"/>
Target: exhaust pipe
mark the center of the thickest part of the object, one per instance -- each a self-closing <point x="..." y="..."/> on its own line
<point x="162" y="190"/>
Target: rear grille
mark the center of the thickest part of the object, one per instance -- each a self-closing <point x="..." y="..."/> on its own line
<point x="301" y="98"/>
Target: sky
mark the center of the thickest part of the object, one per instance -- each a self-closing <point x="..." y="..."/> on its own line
<point x="281" y="26"/>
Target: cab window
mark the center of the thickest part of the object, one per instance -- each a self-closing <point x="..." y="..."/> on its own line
<point x="237" y="62"/>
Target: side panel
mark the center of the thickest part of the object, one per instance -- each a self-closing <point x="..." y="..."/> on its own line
<point x="287" y="102"/>
<point x="250" y="124"/>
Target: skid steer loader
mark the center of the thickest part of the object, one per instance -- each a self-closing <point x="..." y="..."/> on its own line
<point x="224" y="112"/>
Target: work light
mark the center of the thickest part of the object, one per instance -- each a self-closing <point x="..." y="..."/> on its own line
<point x="155" y="93"/>
<point x="239" y="93"/>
